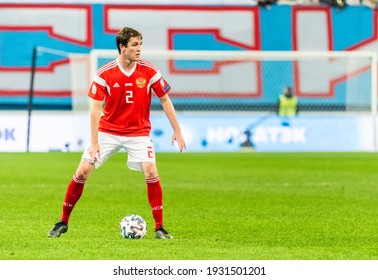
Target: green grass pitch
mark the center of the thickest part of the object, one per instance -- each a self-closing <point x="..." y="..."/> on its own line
<point x="218" y="206"/>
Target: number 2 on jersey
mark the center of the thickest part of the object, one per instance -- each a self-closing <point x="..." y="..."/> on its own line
<point x="129" y="96"/>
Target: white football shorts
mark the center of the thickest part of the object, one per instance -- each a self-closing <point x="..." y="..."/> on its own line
<point x="139" y="149"/>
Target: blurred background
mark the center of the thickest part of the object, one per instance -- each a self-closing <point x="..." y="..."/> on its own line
<point x="229" y="64"/>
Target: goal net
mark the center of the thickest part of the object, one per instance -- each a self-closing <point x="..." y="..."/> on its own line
<point x="252" y="81"/>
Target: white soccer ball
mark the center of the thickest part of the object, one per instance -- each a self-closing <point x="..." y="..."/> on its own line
<point x="133" y="227"/>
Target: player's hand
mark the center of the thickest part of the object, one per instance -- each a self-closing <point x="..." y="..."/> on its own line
<point x="95" y="152"/>
<point x="180" y="141"/>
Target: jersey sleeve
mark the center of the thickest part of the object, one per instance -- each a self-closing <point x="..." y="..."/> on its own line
<point x="97" y="91"/>
<point x="161" y="86"/>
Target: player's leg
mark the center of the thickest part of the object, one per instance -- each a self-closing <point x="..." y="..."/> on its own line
<point x="109" y="145"/>
<point x="154" y="192"/>
<point x="141" y="157"/>
<point x="75" y="188"/>
<point x="155" y="198"/>
<point x="73" y="194"/>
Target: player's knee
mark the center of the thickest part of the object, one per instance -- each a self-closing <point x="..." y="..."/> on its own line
<point x="149" y="170"/>
<point x="83" y="171"/>
<point x="81" y="175"/>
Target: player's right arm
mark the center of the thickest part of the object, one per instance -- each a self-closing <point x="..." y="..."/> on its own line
<point x="95" y="114"/>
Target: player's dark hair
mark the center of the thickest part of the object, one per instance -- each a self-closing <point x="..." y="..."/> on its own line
<point x="124" y="35"/>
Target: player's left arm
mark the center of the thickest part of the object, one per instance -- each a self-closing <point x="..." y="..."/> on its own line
<point x="171" y="115"/>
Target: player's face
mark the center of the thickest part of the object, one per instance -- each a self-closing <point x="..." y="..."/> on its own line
<point x="133" y="50"/>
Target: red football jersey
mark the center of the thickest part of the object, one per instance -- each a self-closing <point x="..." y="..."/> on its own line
<point x="127" y="97"/>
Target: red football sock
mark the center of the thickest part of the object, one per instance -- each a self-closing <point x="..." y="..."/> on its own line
<point x="155" y="198"/>
<point x="73" y="194"/>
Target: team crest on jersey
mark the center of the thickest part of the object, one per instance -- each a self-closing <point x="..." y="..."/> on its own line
<point x="140" y="82"/>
